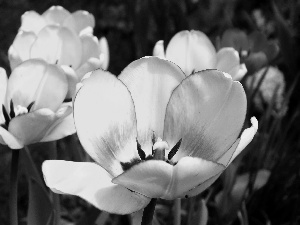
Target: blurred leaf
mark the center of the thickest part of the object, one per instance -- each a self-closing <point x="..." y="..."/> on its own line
<point x="40" y="208"/>
<point x="203" y="213"/>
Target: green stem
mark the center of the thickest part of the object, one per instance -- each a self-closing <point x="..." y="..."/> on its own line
<point x="177" y="211"/>
<point x="149" y="212"/>
<point x="13" y="198"/>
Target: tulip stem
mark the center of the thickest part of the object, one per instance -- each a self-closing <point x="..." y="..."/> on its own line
<point x="13" y="198"/>
<point x="177" y="211"/>
<point x="149" y="212"/>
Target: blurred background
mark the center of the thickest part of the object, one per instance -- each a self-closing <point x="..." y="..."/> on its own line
<point x="263" y="184"/>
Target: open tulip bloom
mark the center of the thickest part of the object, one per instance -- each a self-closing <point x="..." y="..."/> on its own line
<point x="62" y="38"/>
<point x="32" y="108"/>
<point x="153" y="133"/>
<point x="192" y="51"/>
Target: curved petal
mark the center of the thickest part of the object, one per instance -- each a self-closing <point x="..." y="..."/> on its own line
<point x="158" y="179"/>
<point x="90" y="65"/>
<point x="19" y="51"/>
<point x="192" y="51"/>
<point x="33" y="81"/>
<point x="7" y="138"/>
<point x="63" y="126"/>
<point x="56" y="15"/>
<point x="150" y="82"/>
<point x="72" y="80"/>
<point x="105" y="121"/>
<point x="246" y="138"/>
<point x="90" y="47"/>
<point x="159" y="50"/>
<point x="32" y="21"/>
<point x="92" y="183"/>
<point x="207" y="112"/>
<point x="226" y="157"/>
<point x="58" y="45"/>
<point x="104" y="53"/>
<point x="83" y="20"/>
<point x="150" y="178"/>
<point x="32" y="127"/>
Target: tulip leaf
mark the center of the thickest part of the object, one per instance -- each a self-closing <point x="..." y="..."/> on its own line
<point x="40" y="209"/>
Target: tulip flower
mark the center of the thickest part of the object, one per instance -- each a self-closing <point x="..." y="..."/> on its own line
<point x="32" y="105"/>
<point x="62" y="38"/>
<point x="192" y="51"/>
<point x="153" y="133"/>
<point x="255" y="49"/>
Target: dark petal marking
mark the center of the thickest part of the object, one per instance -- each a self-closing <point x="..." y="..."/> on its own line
<point x="30" y="106"/>
<point x="12" y="112"/>
<point x="68" y="100"/>
<point x="174" y="149"/>
<point x="140" y="151"/>
<point x="128" y="165"/>
<point x="6" y="116"/>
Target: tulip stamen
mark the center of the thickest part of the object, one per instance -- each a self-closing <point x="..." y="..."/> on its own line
<point x="140" y="150"/>
<point x="159" y="149"/>
<point x="174" y="149"/>
<point x="29" y="106"/>
<point x="12" y="112"/>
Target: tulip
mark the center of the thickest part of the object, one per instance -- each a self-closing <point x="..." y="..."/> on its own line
<point x="153" y="133"/>
<point x="32" y="111"/>
<point x="62" y="38"/>
<point x="192" y="51"/>
<point x="255" y="49"/>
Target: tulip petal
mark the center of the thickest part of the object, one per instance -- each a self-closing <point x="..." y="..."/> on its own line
<point x="225" y="158"/>
<point x="150" y="178"/>
<point x="19" y="51"/>
<point x="150" y="81"/>
<point x="191" y="51"/>
<point x="201" y="187"/>
<point x="207" y="112"/>
<point x="228" y="61"/>
<point x="90" y="47"/>
<point x="104" y="53"/>
<point x="158" y="179"/>
<point x="7" y="138"/>
<point x="83" y="20"/>
<point x="32" y="127"/>
<point x="3" y="85"/>
<point x="56" y="15"/>
<point x="63" y="126"/>
<point x="58" y="45"/>
<point x="72" y="80"/>
<point x="246" y="138"/>
<point x="33" y="81"/>
<point x="32" y="21"/>
<point x="105" y="121"/>
<point x="92" y="183"/>
<point x="159" y="50"/>
<point x="90" y="65"/>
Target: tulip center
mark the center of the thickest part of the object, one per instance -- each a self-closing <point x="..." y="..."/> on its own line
<point x="14" y="111"/>
<point x="158" y="153"/>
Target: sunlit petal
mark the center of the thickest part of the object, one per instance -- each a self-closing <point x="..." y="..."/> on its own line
<point x="72" y="80"/>
<point x="7" y="138"/>
<point x="32" y="21"/>
<point x="83" y="20"/>
<point x="151" y="82"/>
<point x="33" y="81"/>
<point x="56" y="15"/>
<point x="32" y="127"/>
<point x="3" y="86"/>
<point x="58" y="45"/>
<point x="104" y="52"/>
<point x="159" y="50"/>
<point x="191" y="51"/>
<point x="92" y="183"/>
<point x="63" y="126"/>
<point x="19" y="51"/>
<point x="105" y="121"/>
<point x="207" y="112"/>
<point x="246" y="138"/>
<point x="90" y="65"/>
<point x="150" y="178"/>
<point x="90" y="47"/>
